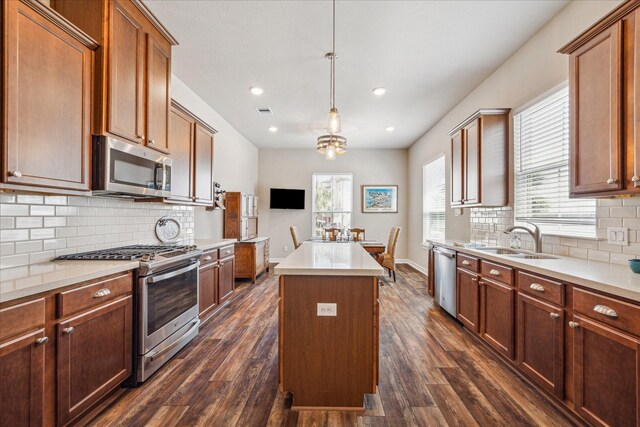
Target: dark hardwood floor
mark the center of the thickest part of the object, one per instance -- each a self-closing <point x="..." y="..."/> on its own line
<point x="432" y="373"/>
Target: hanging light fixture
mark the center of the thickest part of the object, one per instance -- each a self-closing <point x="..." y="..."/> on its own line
<point x="332" y="144"/>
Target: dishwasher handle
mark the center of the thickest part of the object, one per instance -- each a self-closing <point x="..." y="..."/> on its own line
<point x="447" y="254"/>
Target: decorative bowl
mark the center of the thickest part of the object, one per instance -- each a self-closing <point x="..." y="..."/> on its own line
<point x="634" y="265"/>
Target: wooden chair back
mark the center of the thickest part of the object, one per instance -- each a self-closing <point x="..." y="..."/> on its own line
<point x="294" y="235"/>
<point x="332" y="232"/>
<point x="393" y="240"/>
<point x="358" y="234"/>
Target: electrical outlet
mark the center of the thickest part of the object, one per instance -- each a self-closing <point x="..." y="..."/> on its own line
<point x="286" y="248"/>
<point x="618" y="236"/>
<point x="327" y="309"/>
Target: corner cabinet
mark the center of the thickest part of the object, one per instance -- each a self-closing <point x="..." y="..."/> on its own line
<point x="252" y="258"/>
<point x="133" y="69"/>
<point x="47" y="99"/>
<point x="479" y="159"/>
<point x="604" y="94"/>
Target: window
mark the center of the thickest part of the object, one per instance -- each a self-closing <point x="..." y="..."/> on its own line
<point x="433" y="195"/>
<point x="332" y="202"/>
<point x="541" y="139"/>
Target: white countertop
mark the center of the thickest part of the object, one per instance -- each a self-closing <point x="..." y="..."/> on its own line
<point x="38" y="278"/>
<point x="613" y="279"/>
<point x="329" y="259"/>
<point x="206" y="244"/>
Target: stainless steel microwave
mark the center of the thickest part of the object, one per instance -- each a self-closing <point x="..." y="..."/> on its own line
<point x="122" y="169"/>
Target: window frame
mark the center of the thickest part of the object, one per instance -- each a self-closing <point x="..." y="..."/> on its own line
<point x="425" y="238"/>
<point x="313" y="200"/>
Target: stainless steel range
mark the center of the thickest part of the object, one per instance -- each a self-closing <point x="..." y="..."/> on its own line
<point x="166" y="300"/>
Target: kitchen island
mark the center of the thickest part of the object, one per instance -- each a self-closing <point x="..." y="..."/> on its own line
<point x="328" y="332"/>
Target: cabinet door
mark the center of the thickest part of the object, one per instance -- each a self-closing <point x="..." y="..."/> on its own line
<point x="468" y="300"/>
<point x="244" y="228"/>
<point x="457" y="168"/>
<point x="94" y="356"/>
<point x="22" y="380"/>
<point x="226" y="278"/>
<point x="158" y="95"/>
<point x="540" y="337"/>
<point x="181" y="147"/>
<point x="48" y="102"/>
<point x="472" y="163"/>
<point x="496" y="314"/>
<point x="207" y="289"/>
<point x="260" y="266"/>
<point x="203" y="162"/>
<point x="595" y="98"/>
<point x="125" y="95"/>
<point x="606" y="379"/>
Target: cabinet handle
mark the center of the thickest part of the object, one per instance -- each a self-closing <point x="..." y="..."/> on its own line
<point x="16" y="174"/>
<point x="612" y="181"/>
<point x="494" y="272"/>
<point x="573" y="325"/>
<point x="480" y="282"/>
<point x="603" y="309"/>
<point x="227" y="252"/>
<point x="474" y="279"/>
<point x="207" y="258"/>
<point x="554" y="315"/>
<point x="465" y="262"/>
<point x="42" y="341"/>
<point x="152" y="141"/>
<point x="68" y="330"/>
<point x="537" y="287"/>
<point x="102" y="293"/>
<point x="635" y="178"/>
<point x="141" y="136"/>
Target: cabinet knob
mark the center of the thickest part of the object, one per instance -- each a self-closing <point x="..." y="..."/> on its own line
<point x="68" y="330"/>
<point x="635" y="178"/>
<point x="573" y="325"/>
<point x="603" y="309"/>
<point x="612" y="181"/>
<point x="480" y="282"/>
<point x="537" y="287"/>
<point x="554" y="315"/>
<point x="474" y="279"/>
<point x="141" y="136"/>
<point x="152" y="141"/>
<point x="16" y="174"/>
<point x="42" y="341"/>
<point x="494" y="272"/>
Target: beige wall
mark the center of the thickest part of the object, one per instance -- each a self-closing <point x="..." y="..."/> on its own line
<point x="533" y="70"/>
<point x="235" y="158"/>
<point x="294" y="169"/>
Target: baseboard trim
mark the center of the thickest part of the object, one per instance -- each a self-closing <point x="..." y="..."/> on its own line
<point x="275" y="260"/>
<point x="413" y="264"/>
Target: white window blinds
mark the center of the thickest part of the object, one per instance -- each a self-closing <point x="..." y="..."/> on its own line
<point x="541" y="139"/>
<point x="433" y="199"/>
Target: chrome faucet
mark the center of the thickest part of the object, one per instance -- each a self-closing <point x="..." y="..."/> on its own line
<point x="537" y="236"/>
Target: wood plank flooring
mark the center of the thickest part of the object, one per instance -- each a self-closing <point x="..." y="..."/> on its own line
<point x="432" y="373"/>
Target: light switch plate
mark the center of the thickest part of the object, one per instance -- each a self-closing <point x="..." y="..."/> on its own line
<point x="327" y="309"/>
<point x="618" y="236"/>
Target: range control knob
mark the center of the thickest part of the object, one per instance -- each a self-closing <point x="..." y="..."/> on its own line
<point x="152" y="257"/>
<point x="145" y="258"/>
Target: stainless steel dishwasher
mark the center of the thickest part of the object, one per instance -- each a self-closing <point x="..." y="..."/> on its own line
<point x="445" y="279"/>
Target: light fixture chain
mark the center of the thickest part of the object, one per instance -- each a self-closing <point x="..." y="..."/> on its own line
<point x="333" y="60"/>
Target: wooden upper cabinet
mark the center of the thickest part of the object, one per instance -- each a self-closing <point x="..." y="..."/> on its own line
<point x="203" y="151"/>
<point x="479" y="159"/>
<point x="181" y="147"/>
<point x="125" y="89"/>
<point x="47" y="99"/>
<point x="158" y="94"/>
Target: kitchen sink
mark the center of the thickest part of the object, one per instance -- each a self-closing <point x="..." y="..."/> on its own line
<point x="515" y="253"/>
<point x="530" y="256"/>
<point x="499" y="251"/>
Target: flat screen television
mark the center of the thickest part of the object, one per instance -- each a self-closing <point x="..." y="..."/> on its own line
<point x="284" y="198"/>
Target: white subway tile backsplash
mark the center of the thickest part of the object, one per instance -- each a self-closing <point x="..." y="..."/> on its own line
<point x="602" y="256"/>
<point x="43" y="210"/>
<point x="29" y="222"/>
<point x="28" y="246"/>
<point x="7" y="222"/>
<point x="43" y="233"/>
<point x="14" y="210"/>
<point x="54" y="244"/>
<point x="30" y="199"/>
<point x="13" y="235"/>
<point x="7" y="249"/>
<point x="55" y="200"/>
<point x="623" y="212"/>
<point x="55" y="221"/>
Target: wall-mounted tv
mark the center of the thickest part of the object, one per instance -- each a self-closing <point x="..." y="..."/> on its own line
<point x="284" y="198"/>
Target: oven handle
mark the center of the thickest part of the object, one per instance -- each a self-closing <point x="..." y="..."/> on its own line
<point x="165" y="276"/>
<point x="154" y="355"/>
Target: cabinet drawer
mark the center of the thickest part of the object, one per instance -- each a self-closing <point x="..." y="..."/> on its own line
<point x="613" y="312"/>
<point x="541" y="288"/>
<point x="468" y="262"/>
<point x="21" y="318"/>
<point x="497" y="272"/>
<point x="227" y="251"/>
<point x="94" y="293"/>
<point x="209" y="257"/>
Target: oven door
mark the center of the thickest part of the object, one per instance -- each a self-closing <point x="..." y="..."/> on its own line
<point x="169" y="300"/>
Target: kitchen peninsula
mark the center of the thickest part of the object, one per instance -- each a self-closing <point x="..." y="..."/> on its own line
<point x="329" y="325"/>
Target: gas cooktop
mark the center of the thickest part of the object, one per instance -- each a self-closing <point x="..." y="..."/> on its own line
<point x="134" y="252"/>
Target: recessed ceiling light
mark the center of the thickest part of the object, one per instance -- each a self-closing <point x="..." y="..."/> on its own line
<point x="273" y="129"/>
<point x="389" y="128"/>
<point x="256" y="90"/>
<point x="379" y="91"/>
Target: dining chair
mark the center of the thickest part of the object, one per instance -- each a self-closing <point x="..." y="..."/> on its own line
<point x="294" y="235"/>
<point x="387" y="259"/>
<point x="332" y="232"/>
<point x="358" y="234"/>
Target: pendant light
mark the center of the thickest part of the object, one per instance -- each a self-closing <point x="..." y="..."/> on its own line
<point x="332" y="144"/>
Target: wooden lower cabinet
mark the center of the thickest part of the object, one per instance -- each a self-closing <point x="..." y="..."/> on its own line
<point x="22" y="379"/>
<point x="226" y="278"/>
<point x="497" y="315"/>
<point x="606" y="374"/>
<point x="540" y="343"/>
<point x="252" y="258"/>
<point x="208" y="289"/>
<point x="217" y="279"/>
<point x="94" y="356"/>
<point x="468" y="299"/>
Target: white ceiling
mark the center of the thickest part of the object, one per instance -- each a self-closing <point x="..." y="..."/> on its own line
<point x="428" y="55"/>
